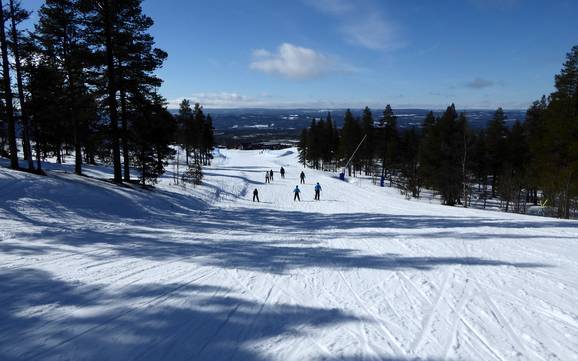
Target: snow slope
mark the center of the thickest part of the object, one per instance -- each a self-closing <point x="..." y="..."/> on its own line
<point x="89" y="271"/>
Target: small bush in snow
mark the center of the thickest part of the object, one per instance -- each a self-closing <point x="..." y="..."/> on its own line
<point x="193" y="175"/>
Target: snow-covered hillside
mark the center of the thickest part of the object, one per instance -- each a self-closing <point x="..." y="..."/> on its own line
<point x="90" y="271"/>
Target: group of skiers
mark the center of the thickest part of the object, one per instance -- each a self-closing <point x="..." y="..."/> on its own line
<point x="269" y="175"/>
<point x="296" y="192"/>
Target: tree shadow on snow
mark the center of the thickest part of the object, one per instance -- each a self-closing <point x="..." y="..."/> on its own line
<point x="44" y="318"/>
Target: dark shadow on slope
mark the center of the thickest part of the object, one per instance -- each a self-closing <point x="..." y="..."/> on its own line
<point x="300" y="221"/>
<point x="44" y="318"/>
<point x="261" y="256"/>
<point x="212" y="242"/>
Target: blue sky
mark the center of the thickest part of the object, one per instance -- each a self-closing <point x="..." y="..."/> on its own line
<point x="352" y="53"/>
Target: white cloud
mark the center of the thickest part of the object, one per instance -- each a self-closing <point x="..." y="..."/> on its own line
<point x="361" y="23"/>
<point x="372" y="33"/>
<point x="261" y="53"/>
<point x="292" y="62"/>
<point x="213" y="100"/>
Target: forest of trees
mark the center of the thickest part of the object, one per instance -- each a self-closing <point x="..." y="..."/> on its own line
<point x="83" y="82"/>
<point x="530" y="162"/>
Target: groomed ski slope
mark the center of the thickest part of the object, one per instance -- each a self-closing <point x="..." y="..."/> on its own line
<point x="90" y="271"/>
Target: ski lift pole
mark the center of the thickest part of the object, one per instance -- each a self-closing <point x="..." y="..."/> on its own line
<point x="355" y="152"/>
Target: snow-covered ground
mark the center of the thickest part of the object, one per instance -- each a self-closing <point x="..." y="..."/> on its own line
<point x="90" y="271"/>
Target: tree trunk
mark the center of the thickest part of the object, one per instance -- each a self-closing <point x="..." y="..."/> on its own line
<point x="494" y="185"/>
<point x="8" y="93"/>
<point x="124" y="124"/>
<point x="112" y="103"/>
<point x="75" y="124"/>
<point x="464" y="172"/>
<point x="567" y="197"/>
<point x="25" y="121"/>
<point x="38" y="151"/>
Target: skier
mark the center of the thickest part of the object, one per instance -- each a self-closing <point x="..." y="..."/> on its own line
<point x="256" y="195"/>
<point x="296" y="191"/>
<point x="267" y="177"/>
<point x="302" y="176"/>
<point x="271" y="172"/>
<point x="282" y="171"/>
<point x="317" y="191"/>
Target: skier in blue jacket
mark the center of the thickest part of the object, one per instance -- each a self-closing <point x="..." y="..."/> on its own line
<point x="296" y="191"/>
<point x="317" y="191"/>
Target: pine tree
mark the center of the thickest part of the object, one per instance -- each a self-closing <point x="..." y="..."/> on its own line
<point x="17" y="15"/>
<point x="389" y="141"/>
<point x="350" y="138"/>
<point x="449" y="176"/>
<point x="45" y="86"/>
<point x="137" y="59"/>
<point x="429" y="152"/>
<point x="367" y="150"/>
<point x="535" y="129"/>
<point x="496" y="135"/>
<point x="208" y="139"/>
<point x="480" y="163"/>
<point x="198" y="124"/>
<point x="559" y="157"/>
<point x="302" y="146"/>
<point x="329" y="142"/>
<point x="186" y="136"/>
<point x="100" y="18"/>
<point x="442" y="154"/>
<point x="409" y="154"/>
<point x="8" y="97"/>
<point x="154" y="129"/>
<point x="514" y="170"/>
<point x="59" y="37"/>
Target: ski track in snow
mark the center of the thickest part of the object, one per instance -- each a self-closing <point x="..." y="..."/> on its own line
<point x="89" y="271"/>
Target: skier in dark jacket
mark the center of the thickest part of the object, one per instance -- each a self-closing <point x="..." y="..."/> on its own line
<point x="256" y="195"/>
<point x="271" y="174"/>
<point x="296" y="191"/>
<point x="302" y="176"/>
<point x="317" y="191"/>
<point x="282" y="171"/>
